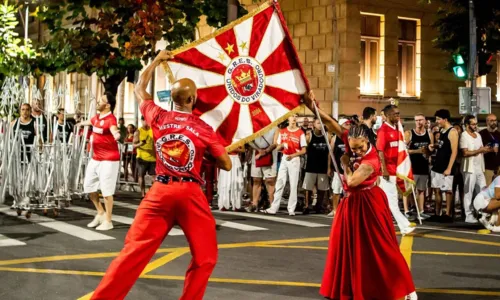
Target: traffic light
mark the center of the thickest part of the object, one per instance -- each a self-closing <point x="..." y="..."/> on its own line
<point x="459" y="67"/>
<point x="484" y="66"/>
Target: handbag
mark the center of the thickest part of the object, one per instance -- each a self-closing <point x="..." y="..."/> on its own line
<point x="265" y="160"/>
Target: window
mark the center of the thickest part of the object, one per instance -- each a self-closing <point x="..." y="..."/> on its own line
<point x="407" y="57"/>
<point x="370" y="54"/>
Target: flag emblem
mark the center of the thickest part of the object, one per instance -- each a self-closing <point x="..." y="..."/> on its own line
<point x="248" y="75"/>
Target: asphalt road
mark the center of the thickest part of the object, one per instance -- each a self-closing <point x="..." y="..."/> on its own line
<point x="260" y="257"/>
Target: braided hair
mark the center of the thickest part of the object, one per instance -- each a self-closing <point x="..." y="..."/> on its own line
<point x="358" y="131"/>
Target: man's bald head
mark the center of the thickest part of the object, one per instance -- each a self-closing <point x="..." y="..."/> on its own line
<point x="184" y="92"/>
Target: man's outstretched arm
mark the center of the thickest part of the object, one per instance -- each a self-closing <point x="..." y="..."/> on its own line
<point x="141" y="93"/>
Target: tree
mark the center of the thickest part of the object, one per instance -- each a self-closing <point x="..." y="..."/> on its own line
<point x="113" y="38"/>
<point x="14" y="52"/>
<point x="453" y="30"/>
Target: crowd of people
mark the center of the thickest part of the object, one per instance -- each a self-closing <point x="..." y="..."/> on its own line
<point x="451" y="161"/>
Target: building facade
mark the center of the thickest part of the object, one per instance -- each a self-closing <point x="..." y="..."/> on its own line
<point x="370" y="51"/>
<point x="359" y="52"/>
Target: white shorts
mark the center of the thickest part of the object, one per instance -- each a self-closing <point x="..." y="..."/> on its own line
<point x="101" y="175"/>
<point x="263" y="172"/>
<point x="337" y="187"/>
<point x="421" y="182"/>
<point x="439" y="181"/>
<point x="481" y="201"/>
<point x="314" y="179"/>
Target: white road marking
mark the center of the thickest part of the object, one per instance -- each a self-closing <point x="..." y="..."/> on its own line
<point x="63" y="227"/>
<point x="273" y="218"/>
<point x="6" y="242"/>
<point x="116" y="218"/>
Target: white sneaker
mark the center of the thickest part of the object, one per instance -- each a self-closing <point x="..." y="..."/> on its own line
<point x="493" y="219"/>
<point x="412" y="296"/>
<point x="105" y="225"/>
<point x="485" y="222"/>
<point x="471" y="220"/>
<point x="408" y="230"/>
<point x="331" y="214"/>
<point x="495" y="229"/>
<point x="98" y="219"/>
<point x="291" y="214"/>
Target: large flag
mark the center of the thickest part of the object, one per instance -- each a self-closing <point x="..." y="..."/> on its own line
<point x="248" y="75"/>
<point x="404" y="172"/>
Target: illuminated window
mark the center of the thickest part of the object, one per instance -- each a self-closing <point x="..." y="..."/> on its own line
<point x="407" y="57"/>
<point x="370" y="55"/>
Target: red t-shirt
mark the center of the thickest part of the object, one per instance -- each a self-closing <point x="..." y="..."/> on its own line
<point x="104" y="145"/>
<point x="180" y="141"/>
<point x="294" y="140"/>
<point x="388" y="142"/>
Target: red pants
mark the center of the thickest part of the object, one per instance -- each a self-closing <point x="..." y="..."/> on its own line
<point x="181" y="203"/>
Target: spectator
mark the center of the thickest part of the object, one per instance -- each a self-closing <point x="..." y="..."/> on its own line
<point x="122" y="128"/>
<point x="339" y="149"/>
<point x="491" y="138"/>
<point x="472" y="149"/>
<point x="292" y="141"/>
<point x="316" y="167"/>
<point x="130" y="153"/>
<point x="388" y="149"/>
<point x="442" y="170"/>
<point x="264" y="167"/>
<point x="418" y="141"/>
<point x="146" y="155"/>
<point x="369" y="119"/>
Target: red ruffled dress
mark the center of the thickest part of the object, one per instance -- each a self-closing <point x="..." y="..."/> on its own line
<point x="364" y="261"/>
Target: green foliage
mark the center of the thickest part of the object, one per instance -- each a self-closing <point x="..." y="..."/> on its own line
<point x="14" y="51"/>
<point x="453" y="29"/>
<point x="115" y="38"/>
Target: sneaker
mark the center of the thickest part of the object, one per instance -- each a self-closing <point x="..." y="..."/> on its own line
<point x="495" y="229"/>
<point x="471" y="220"/>
<point x="98" y="219"/>
<point x="408" y="230"/>
<point x="410" y="216"/>
<point x="493" y="219"/>
<point x="331" y="214"/>
<point x="305" y="211"/>
<point x="424" y="216"/>
<point x="485" y="222"/>
<point x="293" y="214"/>
<point x="105" y="225"/>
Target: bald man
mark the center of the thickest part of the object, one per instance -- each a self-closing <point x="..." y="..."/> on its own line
<point x="491" y="137"/>
<point x="181" y="139"/>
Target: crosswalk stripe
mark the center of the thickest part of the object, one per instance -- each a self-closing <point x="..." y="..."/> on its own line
<point x="125" y="204"/>
<point x="116" y="218"/>
<point x="273" y="218"/>
<point x="233" y="225"/>
<point x="6" y="242"/>
<point x="63" y="227"/>
<point x="240" y="226"/>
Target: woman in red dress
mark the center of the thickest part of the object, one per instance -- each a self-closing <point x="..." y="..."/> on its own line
<point x="363" y="261"/>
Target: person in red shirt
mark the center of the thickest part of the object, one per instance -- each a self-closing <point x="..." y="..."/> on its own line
<point x="292" y="141"/>
<point x="388" y="148"/>
<point x="176" y="197"/>
<point x="102" y="170"/>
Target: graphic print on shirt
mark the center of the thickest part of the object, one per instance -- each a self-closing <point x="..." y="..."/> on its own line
<point x="176" y="151"/>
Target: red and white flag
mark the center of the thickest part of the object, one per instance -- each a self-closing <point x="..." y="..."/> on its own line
<point x="404" y="172"/>
<point x="248" y="75"/>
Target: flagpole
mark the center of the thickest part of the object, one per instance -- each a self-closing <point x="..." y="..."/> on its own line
<point x="416" y="204"/>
